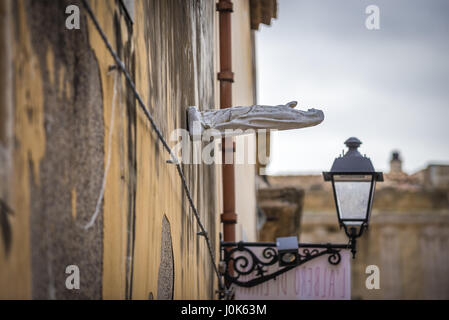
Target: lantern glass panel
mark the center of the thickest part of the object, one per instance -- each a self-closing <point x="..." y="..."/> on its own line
<point x="372" y="198"/>
<point x="353" y="194"/>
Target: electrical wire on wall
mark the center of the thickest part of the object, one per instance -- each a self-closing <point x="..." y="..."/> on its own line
<point x="174" y="159"/>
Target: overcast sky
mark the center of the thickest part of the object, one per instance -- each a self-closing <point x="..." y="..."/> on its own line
<point x="388" y="87"/>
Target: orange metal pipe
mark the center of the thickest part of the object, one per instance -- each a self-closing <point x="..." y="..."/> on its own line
<point x="226" y="78"/>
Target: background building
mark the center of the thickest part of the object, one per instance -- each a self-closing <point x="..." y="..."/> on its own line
<point x="408" y="235"/>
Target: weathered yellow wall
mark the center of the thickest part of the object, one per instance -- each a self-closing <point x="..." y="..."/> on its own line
<point x="115" y="195"/>
<point x="169" y="51"/>
<point x="157" y="184"/>
<point x="15" y="265"/>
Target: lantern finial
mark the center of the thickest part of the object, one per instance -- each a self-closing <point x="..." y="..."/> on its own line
<point x="353" y="143"/>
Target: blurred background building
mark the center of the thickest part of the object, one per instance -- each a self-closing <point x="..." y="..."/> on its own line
<point x="408" y="236"/>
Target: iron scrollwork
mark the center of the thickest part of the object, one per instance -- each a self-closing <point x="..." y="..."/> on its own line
<point x="240" y="262"/>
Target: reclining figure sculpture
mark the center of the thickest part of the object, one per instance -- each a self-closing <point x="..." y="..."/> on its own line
<point x="281" y="117"/>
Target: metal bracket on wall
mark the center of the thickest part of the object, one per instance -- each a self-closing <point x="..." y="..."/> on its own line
<point x="246" y="262"/>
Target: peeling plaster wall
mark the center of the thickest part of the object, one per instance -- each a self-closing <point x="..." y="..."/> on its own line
<point x="66" y="104"/>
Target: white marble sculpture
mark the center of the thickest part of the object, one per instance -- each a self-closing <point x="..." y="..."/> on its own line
<point x="282" y="117"/>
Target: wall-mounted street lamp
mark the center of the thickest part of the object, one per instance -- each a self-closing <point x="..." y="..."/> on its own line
<point x="353" y="181"/>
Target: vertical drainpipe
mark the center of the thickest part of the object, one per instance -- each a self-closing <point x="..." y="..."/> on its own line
<point x="226" y="78"/>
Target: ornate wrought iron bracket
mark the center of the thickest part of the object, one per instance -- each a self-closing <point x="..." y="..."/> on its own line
<point x="238" y="260"/>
